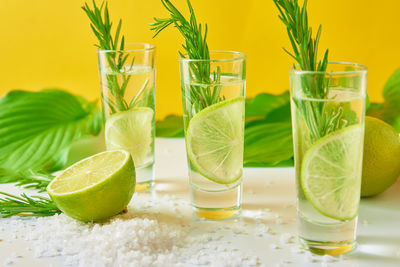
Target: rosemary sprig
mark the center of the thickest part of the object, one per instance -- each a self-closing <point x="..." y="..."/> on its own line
<point x="26" y="179"/>
<point x="195" y="46"/>
<point x="23" y="205"/>
<point x="305" y="47"/>
<point x="102" y="29"/>
<point x="305" y="50"/>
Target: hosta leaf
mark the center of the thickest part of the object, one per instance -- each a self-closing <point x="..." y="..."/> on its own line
<point x="171" y="126"/>
<point x="268" y="144"/>
<point x="38" y="128"/>
<point x="262" y="104"/>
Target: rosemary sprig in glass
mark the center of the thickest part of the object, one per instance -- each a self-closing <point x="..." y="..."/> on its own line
<point x="115" y="43"/>
<point x="305" y="50"/>
<point x="195" y="46"/>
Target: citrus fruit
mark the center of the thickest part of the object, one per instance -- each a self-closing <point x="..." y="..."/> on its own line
<point x="331" y="173"/>
<point x="215" y="141"/>
<point x="95" y="188"/>
<point x="131" y="130"/>
<point x="381" y="164"/>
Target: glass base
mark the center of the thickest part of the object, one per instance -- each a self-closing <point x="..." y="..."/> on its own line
<point x="144" y="178"/>
<point x="218" y="214"/>
<point x="327" y="238"/>
<point x="216" y="205"/>
<point x="328" y="248"/>
<point x="144" y="186"/>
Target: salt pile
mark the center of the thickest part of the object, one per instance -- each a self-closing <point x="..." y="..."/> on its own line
<point x="154" y="232"/>
<point x="158" y="230"/>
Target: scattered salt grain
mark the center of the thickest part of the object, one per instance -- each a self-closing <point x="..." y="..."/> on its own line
<point x="309" y="257"/>
<point x="327" y="258"/>
<point x="13" y="258"/>
<point x="286" y="238"/>
<point x="273" y="246"/>
<point x="296" y="251"/>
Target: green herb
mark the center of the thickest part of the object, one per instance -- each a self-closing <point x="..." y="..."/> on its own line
<point x="115" y="43"/>
<point x="305" y="50"/>
<point x="276" y="136"/>
<point x="389" y="110"/>
<point x="262" y="104"/>
<point x="171" y="126"/>
<point x="23" y="205"/>
<point x="196" y="48"/>
<point x="38" y="128"/>
<point x="26" y="179"/>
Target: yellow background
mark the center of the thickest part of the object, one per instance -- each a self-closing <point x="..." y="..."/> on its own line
<point x="48" y="43"/>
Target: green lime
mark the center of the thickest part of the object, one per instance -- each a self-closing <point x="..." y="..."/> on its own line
<point x="331" y="173"/>
<point x="381" y="163"/>
<point x="215" y="141"/>
<point x="132" y="130"/>
<point x="95" y="188"/>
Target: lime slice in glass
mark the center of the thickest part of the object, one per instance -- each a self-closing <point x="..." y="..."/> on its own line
<point x="215" y="141"/>
<point x="331" y="173"/>
<point x="131" y="130"/>
<point x="95" y="188"/>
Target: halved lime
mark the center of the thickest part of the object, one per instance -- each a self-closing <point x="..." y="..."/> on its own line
<point x="131" y="130"/>
<point x="215" y="141"/>
<point x="331" y="173"/>
<point x="95" y="188"/>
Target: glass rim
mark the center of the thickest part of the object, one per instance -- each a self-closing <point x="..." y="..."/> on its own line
<point x="241" y="57"/>
<point x="151" y="47"/>
<point x="362" y="69"/>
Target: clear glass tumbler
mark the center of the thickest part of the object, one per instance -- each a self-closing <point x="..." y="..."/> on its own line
<point x="328" y="110"/>
<point x="213" y="97"/>
<point x="127" y="82"/>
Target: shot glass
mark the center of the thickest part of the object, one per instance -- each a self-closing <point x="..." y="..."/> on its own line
<point x="213" y="98"/>
<point x="127" y="83"/>
<point x="328" y="110"/>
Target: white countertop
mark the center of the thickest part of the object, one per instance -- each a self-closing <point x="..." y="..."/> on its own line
<point x="264" y="188"/>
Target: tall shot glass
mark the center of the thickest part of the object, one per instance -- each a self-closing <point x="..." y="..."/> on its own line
<point x="213" y="98"/>
<point x="328" y="110"/>
<point x="127" y="82"/>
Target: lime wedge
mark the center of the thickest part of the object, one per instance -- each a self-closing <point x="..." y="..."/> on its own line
<point x="95" y="188"/>
<point x="331" y="173"/>
<point x="132" y="130"/>
<point x="215" y="141"/>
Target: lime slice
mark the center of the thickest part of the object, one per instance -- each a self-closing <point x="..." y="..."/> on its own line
<point x="95" y="188"/>
<point x="215" y="141"/>
<point x="331" y="173"/>
<point x="132" y="131"/>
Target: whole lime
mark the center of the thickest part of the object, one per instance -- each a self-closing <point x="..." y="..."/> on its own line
<point x="381" y="163"/>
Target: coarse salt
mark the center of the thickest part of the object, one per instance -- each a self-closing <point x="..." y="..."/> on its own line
<point x="148" y="235"/>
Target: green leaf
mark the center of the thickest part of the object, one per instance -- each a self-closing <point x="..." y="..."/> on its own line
<point x="264" y="103"/>
<point x="389" y="110"/>
<point x="171" y="126"/>
<point x="268" y="144"/>
<point x="38" y="128"/>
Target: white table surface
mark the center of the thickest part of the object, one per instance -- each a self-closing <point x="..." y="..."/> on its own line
<point x="272" y="188"/>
